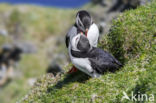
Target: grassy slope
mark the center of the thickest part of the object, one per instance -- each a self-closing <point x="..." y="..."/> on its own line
<point x="38" y="24"/>
<point x="131" y="40"/>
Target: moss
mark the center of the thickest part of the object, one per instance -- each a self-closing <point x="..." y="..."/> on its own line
<point x="131" y="40"/>
<point x="132" y="33"/>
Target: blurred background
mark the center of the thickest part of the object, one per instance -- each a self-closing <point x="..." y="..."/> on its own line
<point x="32" y="37"/>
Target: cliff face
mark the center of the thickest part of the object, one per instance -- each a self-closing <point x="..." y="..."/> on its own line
<point x="131" y="40"/>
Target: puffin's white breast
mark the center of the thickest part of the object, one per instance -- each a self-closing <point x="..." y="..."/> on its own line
<point x="83" y="64"/>
<point x="93" y="35"/>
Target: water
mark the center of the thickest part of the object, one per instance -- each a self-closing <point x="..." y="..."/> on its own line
<point x="50" y="3"/>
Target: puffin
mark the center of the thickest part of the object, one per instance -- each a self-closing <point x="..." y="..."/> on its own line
<point x="85" y="26"/>
<point x="91" y="60"/>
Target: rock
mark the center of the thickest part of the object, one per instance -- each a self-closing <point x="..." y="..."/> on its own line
<point x="6" y="73"/>
<point x="31" y="81"/>
<point x="3" y="32"/>
<point x="10" y="55"/>
<point x="122" y="5"/>
<point x="54" y="68"/>
<point x="26" y="47"/>
<point x="4" y="54"/>
<point x="13" y="52"/>
<point x="143" y="2"/>
<point x="102" y="26"/>
<point x="3" y="71"/>
<point x="7" y="47"/>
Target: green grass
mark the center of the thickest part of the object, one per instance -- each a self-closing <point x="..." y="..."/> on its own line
<point x="132" y="41"/>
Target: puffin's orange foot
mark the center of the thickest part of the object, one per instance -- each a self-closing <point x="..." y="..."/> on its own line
<point x="72" y="70"/>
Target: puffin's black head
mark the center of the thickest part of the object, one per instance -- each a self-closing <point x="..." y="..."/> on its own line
<point x="83" y="20"/>
<point x="81" y="43"/>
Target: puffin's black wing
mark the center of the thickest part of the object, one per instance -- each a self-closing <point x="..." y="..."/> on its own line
<point x="79" y="54"/>
<point x="102" y="61"/>
<point x="72" y="32"/>
<point x="67" y="41"/>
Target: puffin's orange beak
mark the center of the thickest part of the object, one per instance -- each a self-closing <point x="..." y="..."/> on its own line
<point x="86" y="32"/>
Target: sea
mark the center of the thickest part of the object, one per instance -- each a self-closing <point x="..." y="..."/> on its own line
<point x="50" y="3"/>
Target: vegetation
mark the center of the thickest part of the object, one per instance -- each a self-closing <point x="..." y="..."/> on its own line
<point x="132" y="41"/>
<point x="37" y="25"/>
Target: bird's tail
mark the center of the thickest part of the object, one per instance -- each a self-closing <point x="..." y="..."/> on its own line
<point x="118" y="63"/>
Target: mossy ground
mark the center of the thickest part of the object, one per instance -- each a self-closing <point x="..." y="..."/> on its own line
<point x="132" y="41"/>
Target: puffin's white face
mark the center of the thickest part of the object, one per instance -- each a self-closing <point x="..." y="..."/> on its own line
<point x="75" y="41"/>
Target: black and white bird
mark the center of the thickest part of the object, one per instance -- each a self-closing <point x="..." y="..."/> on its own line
<point x="83" y="25"/>
<point x="91" y="60"/>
